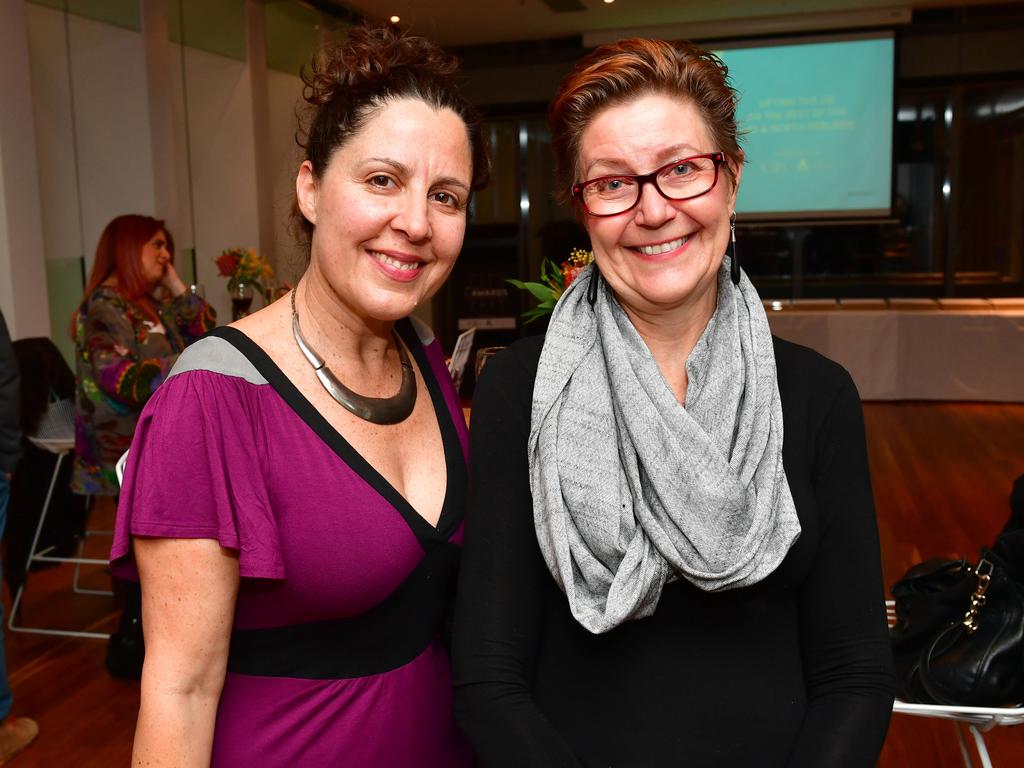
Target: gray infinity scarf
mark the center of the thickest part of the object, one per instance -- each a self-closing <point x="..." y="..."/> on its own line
<point x="631" y="489"/>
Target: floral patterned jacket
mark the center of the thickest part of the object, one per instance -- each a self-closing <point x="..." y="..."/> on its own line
<point x="121" y="358"/>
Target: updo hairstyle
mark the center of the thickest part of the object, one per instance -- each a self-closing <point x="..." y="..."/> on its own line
<point x="618" y="72"/>
<point x="378" y="64"/>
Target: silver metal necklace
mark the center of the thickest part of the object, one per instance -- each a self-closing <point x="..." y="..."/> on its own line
<point x="378" y="410"/>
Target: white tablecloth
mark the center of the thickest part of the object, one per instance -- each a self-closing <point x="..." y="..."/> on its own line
<point x="957" y="350"/>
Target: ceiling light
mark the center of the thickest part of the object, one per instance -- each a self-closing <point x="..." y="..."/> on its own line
<point x="609" y="2"/>
<point x="764" y="25"/>
<point x="395" y="19"/>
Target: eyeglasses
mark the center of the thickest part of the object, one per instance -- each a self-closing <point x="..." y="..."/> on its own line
<point x="679" y="180"/>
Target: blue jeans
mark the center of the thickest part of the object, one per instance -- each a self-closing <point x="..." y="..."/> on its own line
<point x="5" y="687"/>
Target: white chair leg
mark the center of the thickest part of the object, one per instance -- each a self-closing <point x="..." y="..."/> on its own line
<point x="14" y="609"/>
<point x="32" y="550"/>
<point x="979" y="742"/>
<point x="965" y="753"/>
<point x="32" y="556"/>
<point x="46" y="507"/>
<point x="78" y="567"/>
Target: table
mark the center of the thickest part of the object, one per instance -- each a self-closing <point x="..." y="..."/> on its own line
<point x="915" y="349"/>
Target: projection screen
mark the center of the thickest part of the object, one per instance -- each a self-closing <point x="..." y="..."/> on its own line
<point x="818" y="118"/>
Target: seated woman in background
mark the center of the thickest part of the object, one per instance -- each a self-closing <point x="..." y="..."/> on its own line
<point x="293" y="602"/>
<point x="671" y="554"/>
<point x="134" y="320"/>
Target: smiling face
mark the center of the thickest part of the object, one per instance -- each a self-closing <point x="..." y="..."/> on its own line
<point x="662" y="256"/>
<point x="390" y="210"/>
<point x="154" y="258"/>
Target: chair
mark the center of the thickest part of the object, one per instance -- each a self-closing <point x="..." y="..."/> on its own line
<point x="979" y="720"/>
<point x="119" y="467"/>
<point x="55" y="433"/>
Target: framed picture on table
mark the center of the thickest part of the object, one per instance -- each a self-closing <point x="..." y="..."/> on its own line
<point x="460" y="356"/>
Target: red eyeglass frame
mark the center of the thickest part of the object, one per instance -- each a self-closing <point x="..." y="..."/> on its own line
<point x="576" y="191"/>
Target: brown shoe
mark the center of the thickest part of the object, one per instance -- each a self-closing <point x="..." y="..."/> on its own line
<point x="16" y="733"/>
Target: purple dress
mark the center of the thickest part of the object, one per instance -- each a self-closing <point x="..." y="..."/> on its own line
<point x="336" y="653"/>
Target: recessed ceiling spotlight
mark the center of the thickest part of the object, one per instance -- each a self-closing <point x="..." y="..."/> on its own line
<point x="396" y="19"/>
<point x="609" y="2"/>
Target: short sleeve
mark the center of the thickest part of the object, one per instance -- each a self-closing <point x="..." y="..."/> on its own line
<point x="197" y="470"/>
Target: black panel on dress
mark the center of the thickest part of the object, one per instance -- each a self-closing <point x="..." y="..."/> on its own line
<point x="386" y="637"/>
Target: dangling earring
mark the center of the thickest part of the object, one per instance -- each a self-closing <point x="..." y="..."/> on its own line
<point x="592" y="286"/>
<point x="734" y="265"/>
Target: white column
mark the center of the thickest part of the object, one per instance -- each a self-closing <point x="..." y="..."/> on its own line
<point x="164" y="137"/>
<point x="256" y="58"/>
<point x="23" y="294"/>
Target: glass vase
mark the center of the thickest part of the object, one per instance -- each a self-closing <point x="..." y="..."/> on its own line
<point x="241" y="298"/>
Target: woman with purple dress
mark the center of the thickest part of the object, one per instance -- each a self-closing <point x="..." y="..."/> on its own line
<point x="293" y="497"/>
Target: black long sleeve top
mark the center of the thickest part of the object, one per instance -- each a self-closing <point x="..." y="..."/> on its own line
<point x="10" y="416"/>
<point x="793" y="671"/>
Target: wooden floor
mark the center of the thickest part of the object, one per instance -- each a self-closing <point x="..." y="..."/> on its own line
<point x="942" y="475"/>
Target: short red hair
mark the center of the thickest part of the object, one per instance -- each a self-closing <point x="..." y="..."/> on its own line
<point x="618" y="72"/>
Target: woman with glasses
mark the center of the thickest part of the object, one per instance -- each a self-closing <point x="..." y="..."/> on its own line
<point x="671" y="554"/>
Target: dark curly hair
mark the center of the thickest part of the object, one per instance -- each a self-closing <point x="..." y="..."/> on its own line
<point x="377" y="64"/>
<point x="619" y="72"/>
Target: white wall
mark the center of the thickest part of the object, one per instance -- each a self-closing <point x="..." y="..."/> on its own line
<point x="165" y="136"/>
<point x="110" y="128"/>
<point x="22" y="268"/>
<point x="116" y="157"/>
<point x="200" y="172"/>
<point x="222" y="164"/>
<point x="51" y="106"/>
<point x="284" y="96"/>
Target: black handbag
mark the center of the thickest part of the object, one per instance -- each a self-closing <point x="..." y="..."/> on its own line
<point x="126" y="649"/>
<point x="959" y="633"/>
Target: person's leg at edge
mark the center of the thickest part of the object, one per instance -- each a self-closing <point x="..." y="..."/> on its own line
<point x="16" y="733"/>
